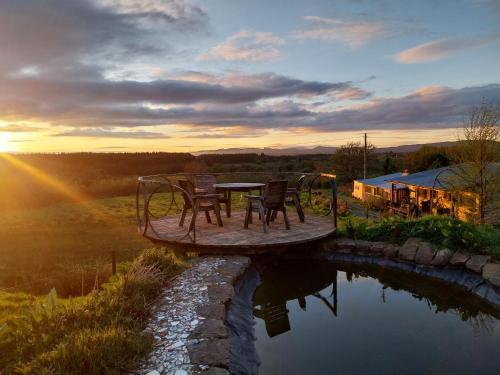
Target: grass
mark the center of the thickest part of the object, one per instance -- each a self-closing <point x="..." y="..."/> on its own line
<point x="101" y="333"/>
<point x="67" y="245"/>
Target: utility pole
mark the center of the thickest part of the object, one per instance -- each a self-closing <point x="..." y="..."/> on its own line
<point x="364" y="171"/>
<point x="364" y="158"/>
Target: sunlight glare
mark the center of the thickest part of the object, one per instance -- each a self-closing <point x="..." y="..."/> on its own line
<point x="5" y="146"/>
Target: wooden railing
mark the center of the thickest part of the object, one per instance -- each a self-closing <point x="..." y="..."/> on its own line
<point x="165" y="186"/>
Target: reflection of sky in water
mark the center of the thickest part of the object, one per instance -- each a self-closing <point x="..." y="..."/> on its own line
<point x="377" y="330"/>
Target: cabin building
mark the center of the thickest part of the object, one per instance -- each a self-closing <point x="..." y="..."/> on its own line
<point x="376" y="191"/>
<point x="427" y="192"/>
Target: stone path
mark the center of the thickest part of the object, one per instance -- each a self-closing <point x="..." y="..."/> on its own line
<point x="190" y="336"/>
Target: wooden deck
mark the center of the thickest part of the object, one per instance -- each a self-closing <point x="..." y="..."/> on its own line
<point x="234" y="238"/>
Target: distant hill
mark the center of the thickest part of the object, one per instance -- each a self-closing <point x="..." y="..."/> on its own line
<point x="316" y="150"/>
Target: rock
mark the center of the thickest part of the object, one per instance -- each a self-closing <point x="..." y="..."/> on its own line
<point x="346" y="244"/>
<point x="390" y="251"/>
<point x="377" y="247"/>
<point x="154" y="372"/>
<point x="442" y="257"/>
<point x="211" y="328"/>
<point x="363" y="246"/>
<point x="218" y="279"/>
<point x="425" y="253"/>
<point x="180" y="372"/>
<point x="477" y="262"/>
<point x="231" y="270"/>
<point x="212" y="311"/>
<point x="220" y="293"/>
<point x="459" y="258"/>
<point x="409" y="249"/>
<point x="176" y="345"/>
<point x="490" y="271"/>
<point x="210" y="352"/>
<point x="239" y="259"/>
<point x="495" y="280"/>
<point x="215" y="371"/>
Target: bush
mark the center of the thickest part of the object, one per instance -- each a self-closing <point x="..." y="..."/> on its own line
<point x="442" y="231"/>
<point x="101" y="333"/>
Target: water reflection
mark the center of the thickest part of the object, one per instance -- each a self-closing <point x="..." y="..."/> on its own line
<point x="299" y="296"/>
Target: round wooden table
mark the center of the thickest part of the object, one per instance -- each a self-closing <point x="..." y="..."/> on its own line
<point x="243" y="187"/>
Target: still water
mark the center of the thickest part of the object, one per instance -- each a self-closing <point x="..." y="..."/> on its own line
<point x="326" y="318"/>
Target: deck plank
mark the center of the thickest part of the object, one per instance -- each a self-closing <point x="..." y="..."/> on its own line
<point x="234" y="236"/>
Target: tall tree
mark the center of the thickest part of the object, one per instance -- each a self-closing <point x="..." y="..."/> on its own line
<point x="477" y="156"/>
<point x="348" y="160"/>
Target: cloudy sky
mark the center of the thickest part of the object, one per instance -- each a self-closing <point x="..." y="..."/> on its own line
<point x="187" y="75"/>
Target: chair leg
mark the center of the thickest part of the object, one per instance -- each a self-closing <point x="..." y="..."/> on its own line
<point x="207" y="215"/>
<point x="217" y="213"/>
<point x="196" y="208"/>
<point x="273" y="216"/>
<point x="248" y="215"/>
<point x="263" y="216"/>
<point x="183" y="216"/>
<point x="287" y="223"/>
<point x="268" y="215"/>
<point x="298" y="206"/>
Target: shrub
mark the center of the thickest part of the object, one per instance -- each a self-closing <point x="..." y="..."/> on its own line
<point x="442" y="231"/>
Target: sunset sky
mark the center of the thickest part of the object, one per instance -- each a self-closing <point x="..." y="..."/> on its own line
<point x="187" y="75"/>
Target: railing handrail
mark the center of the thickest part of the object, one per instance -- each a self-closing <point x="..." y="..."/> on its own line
<point x="166" y="175"/>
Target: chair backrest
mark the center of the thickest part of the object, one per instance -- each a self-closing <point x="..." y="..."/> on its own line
<point x="274" y="195"/>
<point x="187" y="191"/>
<point x="300" y="182"/>
<point x="206" y="182"/>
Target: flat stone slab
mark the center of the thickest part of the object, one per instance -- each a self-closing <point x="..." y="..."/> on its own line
<point x="212" y="311"/>
<point x="213" y="352"/>
<point x="390" y="251"/>
<point x="346" y="244"/>
<point x="459" y="258"/>
<point x="363" y="247"/>
<point x="215" y="371"/>
<point x="209" y="329"/>
<point x="425" y="253"/>
<point x="491" y="270"/>
<point x="442" y="257"/>
<point x="377" y="247"/>
<point x="220" y="293"/>
<point x="477" y="262"/>
<point x="409" y="249"/>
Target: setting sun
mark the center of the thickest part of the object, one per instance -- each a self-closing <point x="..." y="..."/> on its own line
<point x="5" y="146"/>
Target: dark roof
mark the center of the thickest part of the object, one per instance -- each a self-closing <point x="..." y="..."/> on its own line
<point x="435" y="178"/>
<point x="381" y="181"/>
<point x="426" y="179"/>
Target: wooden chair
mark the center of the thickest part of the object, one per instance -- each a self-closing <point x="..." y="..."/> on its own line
<point x="270" y="203"/>
<point x="293" y="197"/>
<point x="205" y="183"/>
<point x="198" y="202"/>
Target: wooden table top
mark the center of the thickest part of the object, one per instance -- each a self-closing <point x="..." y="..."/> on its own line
<point x="239" y="185"/>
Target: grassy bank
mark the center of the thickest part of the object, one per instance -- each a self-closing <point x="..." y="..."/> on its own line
<point x="442" y="231"/>
<point x="96" y="334"/>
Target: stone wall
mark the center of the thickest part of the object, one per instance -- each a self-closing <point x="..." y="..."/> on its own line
<point x="188" y="322"/>
<point x="477" y="273"/>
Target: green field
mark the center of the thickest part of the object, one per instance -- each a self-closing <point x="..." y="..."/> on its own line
<point x="67" y="245"/>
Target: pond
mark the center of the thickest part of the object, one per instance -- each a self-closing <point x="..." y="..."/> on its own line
<point x="322" y="317"/>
